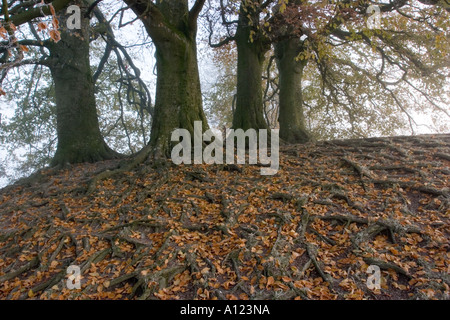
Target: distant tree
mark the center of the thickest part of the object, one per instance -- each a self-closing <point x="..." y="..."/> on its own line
<point x="363" y="67"/>
<point x="28" y="137"/>
<point x="338" y="73"/>
<point x="220" y="98"/>
<point x="241" y="20"/>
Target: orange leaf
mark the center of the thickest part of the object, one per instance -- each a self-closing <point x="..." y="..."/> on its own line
<point x="41" y="26"/>
<point x="252" y="290"/>
<point x="3" y="33"/>
<point x="270" y="281"/>
<point x="55" y="23"/>
<point x="52" y="10"/>
<point x="204" y="270"/>
<point x="54" y="34"/>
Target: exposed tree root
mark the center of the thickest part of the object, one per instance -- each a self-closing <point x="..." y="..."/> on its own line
<point x="124" y="166"/>
<point x="386" y="266"/>
<point x="28" y="266"/>
<point x="362" y="171"/>
<point x="312" y="253"/>
<point x="208" y="232"/>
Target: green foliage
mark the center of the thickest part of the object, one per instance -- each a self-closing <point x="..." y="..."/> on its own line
<point x="362" y="82"/>
<point x="218" y="99"/>
<point x="29" y="136"/>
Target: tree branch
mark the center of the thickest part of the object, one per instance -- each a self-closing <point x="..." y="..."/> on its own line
<point x="195" y="11"/>
<point x="28" y="15"/>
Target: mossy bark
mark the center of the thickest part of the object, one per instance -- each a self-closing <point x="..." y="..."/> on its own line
<point x="178" y="101"/>
<point x="251" y="50"/>
<point x="79" y="136"/>
<point x="291" y="117"/>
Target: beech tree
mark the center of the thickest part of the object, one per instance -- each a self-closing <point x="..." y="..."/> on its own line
<point x="178" y="102"/>
<point x="291" y="108"/>
<point x="354" y="58"/>
<point x="220" y="97"/>
<point x="241" y="20"/>
<point x="66" y="54"/>
<point x="79" y="137"/>
<point x="358" y="72"/>
<point x="251" y="49"/>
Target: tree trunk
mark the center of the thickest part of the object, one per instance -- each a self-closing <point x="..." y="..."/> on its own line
<point x="178" y="101"/>
<point x="249" y="111"/>
<point x="79" y="137"/>
<point x="291" y="118"/>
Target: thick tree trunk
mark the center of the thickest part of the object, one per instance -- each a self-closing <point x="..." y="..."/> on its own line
<point x="79" y="137"/>
<point x="178" y="101"/>
<point x="292" y="120"/>
<point x="249" y="111"/>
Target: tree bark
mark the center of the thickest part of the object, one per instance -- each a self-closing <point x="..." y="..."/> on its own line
<point x="249" y="111"/>
<point x="178" y="101"/>
<point x="29" y="14"/>
<point x="292" y="120"/>
<point x="79" y="136"/>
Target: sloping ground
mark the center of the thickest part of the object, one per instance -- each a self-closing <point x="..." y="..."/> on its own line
<point x="226" y="232"/>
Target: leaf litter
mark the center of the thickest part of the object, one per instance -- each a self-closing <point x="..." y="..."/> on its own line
<point x="161" y="231"/>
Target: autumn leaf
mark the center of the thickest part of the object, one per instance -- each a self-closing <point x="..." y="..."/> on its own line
<point x="3" y="33"/>
<point x="205" y="270"/>
<point x="270" y="281"/>
<point x="55" y="23"/>
<point x="52" y="9"/>
<point x="41" y="26"/>
<point x="55" y="35"/>
<point x="261" y="258"/>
